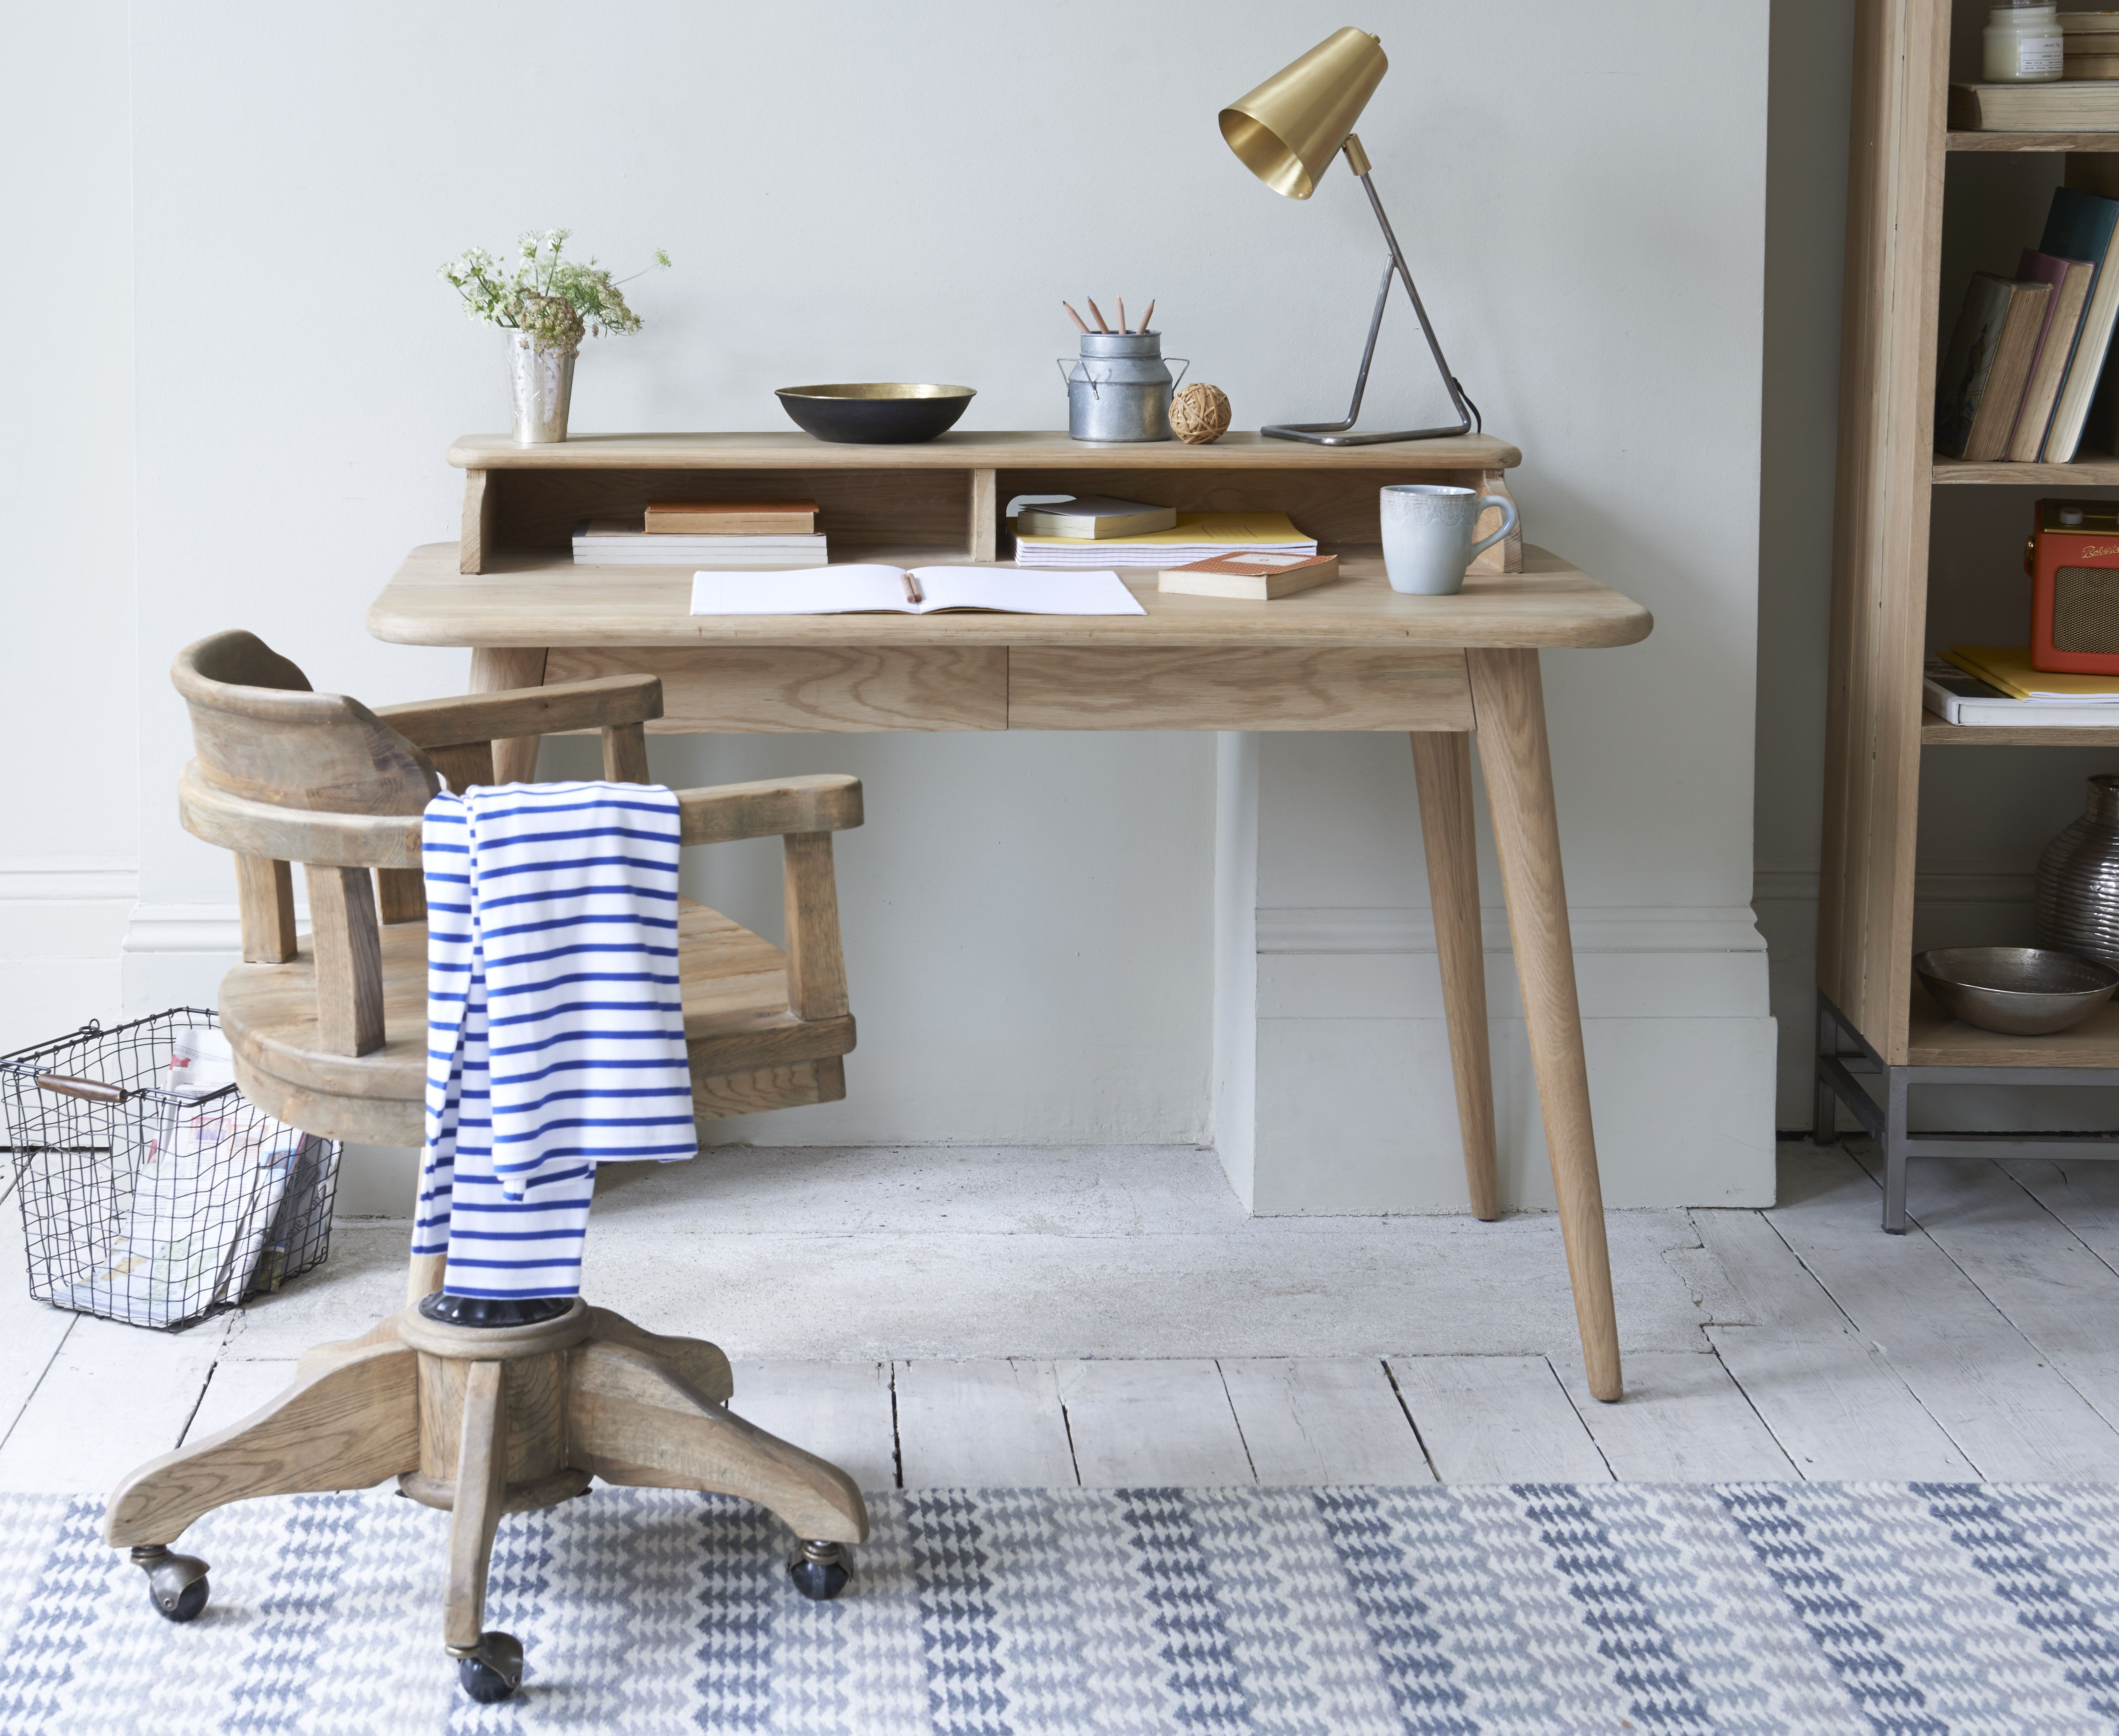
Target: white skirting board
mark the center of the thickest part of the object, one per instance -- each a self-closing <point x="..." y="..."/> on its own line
<point x="1355" y="1111"/>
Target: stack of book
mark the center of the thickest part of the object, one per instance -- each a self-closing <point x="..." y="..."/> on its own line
<point x="1974" y="684"/>
<point x="1094" y="538"/>
<point x="744" y="536"/>
<point x="2023" y="380"/>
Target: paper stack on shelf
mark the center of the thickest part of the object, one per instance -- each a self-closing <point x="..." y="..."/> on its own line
<point x="747" y="536"/>
<point x="1995" y="684"/>
<point x="1195" y="537"/>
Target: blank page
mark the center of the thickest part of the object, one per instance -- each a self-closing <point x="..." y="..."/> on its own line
<point x="1026" y="591"/>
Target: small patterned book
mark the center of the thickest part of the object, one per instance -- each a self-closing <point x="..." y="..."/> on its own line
<point x="1253" y="578"/>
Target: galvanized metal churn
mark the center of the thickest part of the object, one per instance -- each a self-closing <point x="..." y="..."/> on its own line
<point x="1119" y="387"/>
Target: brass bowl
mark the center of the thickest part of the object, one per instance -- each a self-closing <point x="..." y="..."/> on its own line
<point x="2017" y="990"/>
<point x="881" y="413"/>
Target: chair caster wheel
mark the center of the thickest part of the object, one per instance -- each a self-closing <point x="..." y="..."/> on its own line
<point x="176" y="1584"/>
<point x="820" y="1570"/>
<point x="492" y="1670"/>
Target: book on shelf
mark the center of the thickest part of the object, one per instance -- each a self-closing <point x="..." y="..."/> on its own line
<point x="1957" y="697"/>
<point x="731" y="518"/>
<point x="2007" y="669"/>
<point x="2071" y="280"/>
<point x="2080" y="224"/>
<point x="858" y="588"/>
<point x="1095" y="517"/>
<point x="2063" y="106"/>
<point x="1980" y="386"/>
<point x="621" y="542"/>
<point x="1252" y="579"/>
<point x="1195" y="537"/>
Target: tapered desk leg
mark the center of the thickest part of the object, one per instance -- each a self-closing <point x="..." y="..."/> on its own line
<point x="1508" y="704"/>
<point x="1442" y="772"/>
<point x="494" y="669"/>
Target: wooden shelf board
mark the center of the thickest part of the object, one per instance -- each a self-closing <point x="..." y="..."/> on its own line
<point x="2034" y="141"/>
<point x="2092" y="470"/>
<point x="1937" y="1040"/>
<point x="971" y="449"/>
<point x="1936" y="733"/>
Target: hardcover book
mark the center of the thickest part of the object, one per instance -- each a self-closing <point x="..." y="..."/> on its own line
<point x="1980" y="386"/>
<point x="1256" y="578"/>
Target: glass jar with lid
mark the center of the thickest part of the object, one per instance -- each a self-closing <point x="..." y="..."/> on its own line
<point x="2024" y="43"/>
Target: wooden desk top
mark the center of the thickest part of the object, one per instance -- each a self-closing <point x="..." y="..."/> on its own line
<point x="973" y="449"/>
<point x="535" y="600"/>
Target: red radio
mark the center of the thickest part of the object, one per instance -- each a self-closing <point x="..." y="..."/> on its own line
<point x="2073" y="561"/>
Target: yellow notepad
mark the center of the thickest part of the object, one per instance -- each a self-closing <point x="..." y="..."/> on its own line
<point x="2009" y="668"/>
<point x="1226" y="529"/>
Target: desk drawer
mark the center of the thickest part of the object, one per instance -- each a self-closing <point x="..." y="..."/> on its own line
<point x="787" y="690"/>
<point x="1267" y="687"/>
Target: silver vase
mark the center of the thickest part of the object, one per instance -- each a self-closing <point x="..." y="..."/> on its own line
<point x="540" y="386"/>
<point x="2077" y="909"/>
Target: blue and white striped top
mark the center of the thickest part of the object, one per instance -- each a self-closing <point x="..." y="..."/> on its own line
<point x="552" y="911"/>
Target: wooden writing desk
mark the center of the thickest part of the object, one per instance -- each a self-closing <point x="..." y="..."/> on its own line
<point x="1350" y="655"/>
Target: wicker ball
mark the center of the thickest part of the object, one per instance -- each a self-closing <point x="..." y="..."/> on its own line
<point x="1199" y="414"/>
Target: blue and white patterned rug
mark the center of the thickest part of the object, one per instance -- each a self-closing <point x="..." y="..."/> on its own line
<point x="1768" y="1607"/>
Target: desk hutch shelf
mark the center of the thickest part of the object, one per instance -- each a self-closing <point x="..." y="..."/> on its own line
<point x="1873" y="1020"/>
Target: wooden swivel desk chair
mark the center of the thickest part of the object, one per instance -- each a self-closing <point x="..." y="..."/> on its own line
<point x="329" y="1032"/>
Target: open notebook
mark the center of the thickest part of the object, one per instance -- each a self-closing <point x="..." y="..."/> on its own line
<point x="855" y="589"/>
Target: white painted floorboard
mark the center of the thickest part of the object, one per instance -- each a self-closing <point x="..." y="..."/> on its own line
<point x="839" y="1411"/>
<point x="982" y="1425"/>
<point x="1832" y="1401"/>
<point x="2007" y="1409"/>
<point x="113" y="1396"/>
<point x="1795" y="1342"/>
<point x="1138" y="1425"/>
<point x="2051" y="1287"/>
<point x="237" y="1388"/>
<point x="1684" y="1419"/>
<point x="1496" y="1419"/>
<point x="1335" y="1419"/>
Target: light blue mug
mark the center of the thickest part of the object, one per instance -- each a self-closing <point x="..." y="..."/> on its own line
<point x="1432" y="535"/>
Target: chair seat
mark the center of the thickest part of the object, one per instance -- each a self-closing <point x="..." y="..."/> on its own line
<point x="748" y="1052"/>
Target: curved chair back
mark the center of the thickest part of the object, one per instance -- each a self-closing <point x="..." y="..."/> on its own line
<point x="263" y="735"/>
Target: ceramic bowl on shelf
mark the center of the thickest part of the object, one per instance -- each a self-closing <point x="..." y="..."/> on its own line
<point x="2017" y="990"/>
<point x="880" y="413"/>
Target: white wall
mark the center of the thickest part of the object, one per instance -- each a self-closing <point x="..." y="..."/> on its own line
<point x="852" y="192"/>
<point x="67" y="845"/>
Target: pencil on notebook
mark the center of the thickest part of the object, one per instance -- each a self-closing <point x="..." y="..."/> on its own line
<point x="913" y="594"/>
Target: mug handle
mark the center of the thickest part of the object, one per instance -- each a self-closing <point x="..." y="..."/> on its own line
<point x="1181" y="372"/>
<point x="1507" y="523"/>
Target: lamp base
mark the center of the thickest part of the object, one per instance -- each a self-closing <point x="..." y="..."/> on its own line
<point x="1341" y="434"/>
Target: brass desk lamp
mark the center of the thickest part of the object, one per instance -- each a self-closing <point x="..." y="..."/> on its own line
<point x="1287" y="133"/>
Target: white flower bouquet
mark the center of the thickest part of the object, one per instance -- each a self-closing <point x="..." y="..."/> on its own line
<point x="556" y="300"/>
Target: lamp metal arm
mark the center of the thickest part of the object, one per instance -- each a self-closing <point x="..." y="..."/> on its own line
<point x="1336" y="433"/>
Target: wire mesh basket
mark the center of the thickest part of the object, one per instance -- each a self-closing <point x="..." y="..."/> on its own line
<point x="151" y="1199"/>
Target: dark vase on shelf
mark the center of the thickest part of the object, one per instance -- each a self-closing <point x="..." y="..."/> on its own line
<point x="2077" y="908"/>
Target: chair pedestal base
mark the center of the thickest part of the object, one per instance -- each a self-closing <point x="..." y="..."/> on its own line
<point x="486" y="1421"/>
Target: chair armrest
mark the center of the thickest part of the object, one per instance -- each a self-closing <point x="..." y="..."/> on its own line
<point x="775" y="807"/>
<point x="601" y="703"/>
<point x="257" y="828"/>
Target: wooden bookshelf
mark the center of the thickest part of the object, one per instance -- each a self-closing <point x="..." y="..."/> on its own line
<point x="2032" y="142"/>
<point x="2088" y="469"/>
<point x="1877" y="727"/>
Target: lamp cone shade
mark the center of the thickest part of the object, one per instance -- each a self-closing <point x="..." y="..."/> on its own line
<point x="1287" y="131"/>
